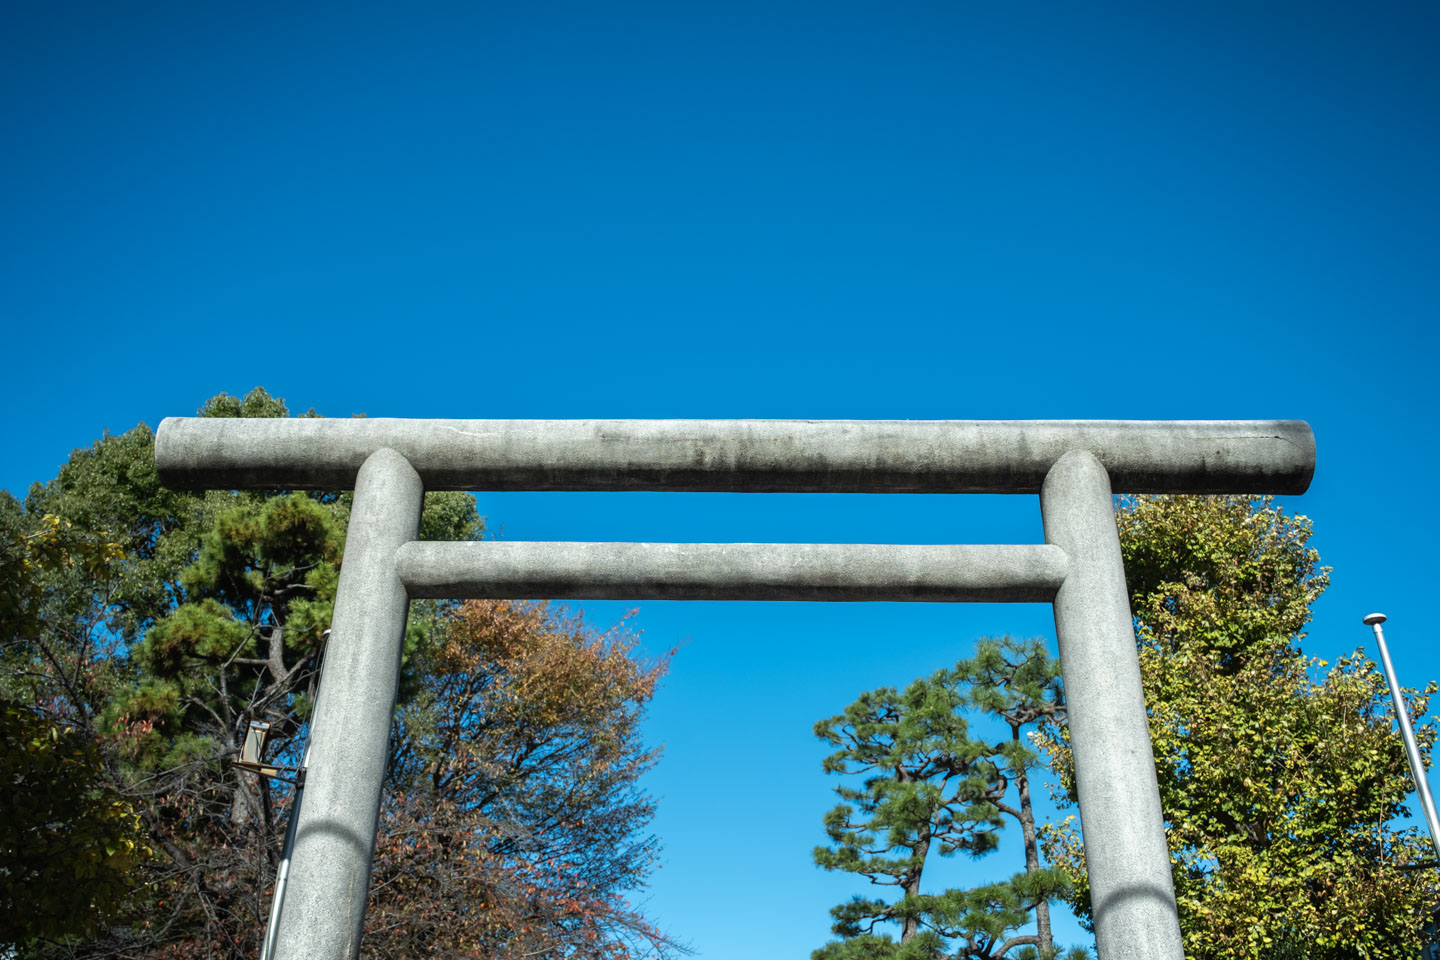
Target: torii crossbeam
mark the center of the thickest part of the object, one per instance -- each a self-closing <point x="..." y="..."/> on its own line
<point x="1075" y="466"/>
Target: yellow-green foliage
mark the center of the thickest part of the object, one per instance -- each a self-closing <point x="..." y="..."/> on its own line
<point x="69" y="845"/>
<point x="1279" y="778"/>
<point x="28" y="558"/>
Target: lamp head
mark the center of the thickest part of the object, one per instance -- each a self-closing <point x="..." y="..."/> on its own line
<point x="252" y="750"/>
<point x="1374" y="618"/>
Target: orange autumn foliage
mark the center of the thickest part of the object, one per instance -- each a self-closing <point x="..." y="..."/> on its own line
<point x="513" y="826"/>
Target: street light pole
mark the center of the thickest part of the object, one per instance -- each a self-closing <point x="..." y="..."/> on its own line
<point x="1417" y="765"/>
<point x="283" y="873"/>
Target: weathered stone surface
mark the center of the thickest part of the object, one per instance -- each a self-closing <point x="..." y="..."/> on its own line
<point x="732" y="571"/>
<point x="796" y="456"/>
<point x="324" y="907"/>
<point x="1127" y="860"/>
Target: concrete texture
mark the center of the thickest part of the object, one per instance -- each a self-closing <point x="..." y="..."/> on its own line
<point x="324" y="907"/>
<point x="1126" y="856"/>
<point x="859" y="456"/>
<point x="732" y="571"/>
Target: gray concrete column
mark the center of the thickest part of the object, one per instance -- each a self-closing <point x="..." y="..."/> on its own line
<point x="1128" y="862"/>
<point x="324" y="908"/>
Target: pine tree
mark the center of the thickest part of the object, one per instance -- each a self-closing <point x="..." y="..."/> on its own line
<point x="1018" y="683"/>
<point x="930" y="786"/>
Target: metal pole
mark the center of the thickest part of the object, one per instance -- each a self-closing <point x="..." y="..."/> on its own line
<point x="1417" y="765"/>
<point x="283" y="873"/>
<point x="267" y="952"/>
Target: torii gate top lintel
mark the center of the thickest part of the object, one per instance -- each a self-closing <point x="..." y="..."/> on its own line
<point x="760" y="456"/>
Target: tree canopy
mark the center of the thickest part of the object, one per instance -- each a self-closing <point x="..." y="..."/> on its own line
<point x="511" y="825"/>
<point x="1280" y="779"/>
<point x="209" y="611"/>
<point x="73" y="845"/>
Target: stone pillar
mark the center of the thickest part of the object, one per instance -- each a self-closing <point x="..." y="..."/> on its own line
<point x="1127" y="859"/>
<point x="323" y="912"/>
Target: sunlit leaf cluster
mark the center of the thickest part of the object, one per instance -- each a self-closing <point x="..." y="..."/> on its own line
<point x="1280" y="775"/>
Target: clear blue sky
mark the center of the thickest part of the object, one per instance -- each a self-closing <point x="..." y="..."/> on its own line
<point x="819" y="210"/>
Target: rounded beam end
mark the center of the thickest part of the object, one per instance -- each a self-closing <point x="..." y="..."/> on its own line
<point x="170" y="454"/>
<point x="1299" y="433"/>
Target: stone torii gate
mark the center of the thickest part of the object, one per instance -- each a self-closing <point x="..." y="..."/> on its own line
<point x="1074" y="466"/>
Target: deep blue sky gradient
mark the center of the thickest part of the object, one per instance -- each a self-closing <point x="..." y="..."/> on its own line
<point x="828" y="210"/>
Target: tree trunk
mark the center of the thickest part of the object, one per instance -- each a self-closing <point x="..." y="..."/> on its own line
<point x="1032" y="859"/>
<point x="911" y="925"/>
<point x="911" y="884"/>
<point x="245" y="803"/>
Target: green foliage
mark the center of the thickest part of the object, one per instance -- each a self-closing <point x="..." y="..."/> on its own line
<point x="208" y="610"/>
<point x="929" y="786"/>
<point x="1279" y="779"/>
<point x="72" y="844"/>
<point x="1018" y="683"/>
<point x="225" y="596"/>
<point x="133" y="660"/>
<point x="34" y="553"/>
<point x="257" y="403"/>
<point x="55" y="808"/>
<point x="247" y="636"/>
<point x="113" y="486"/>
